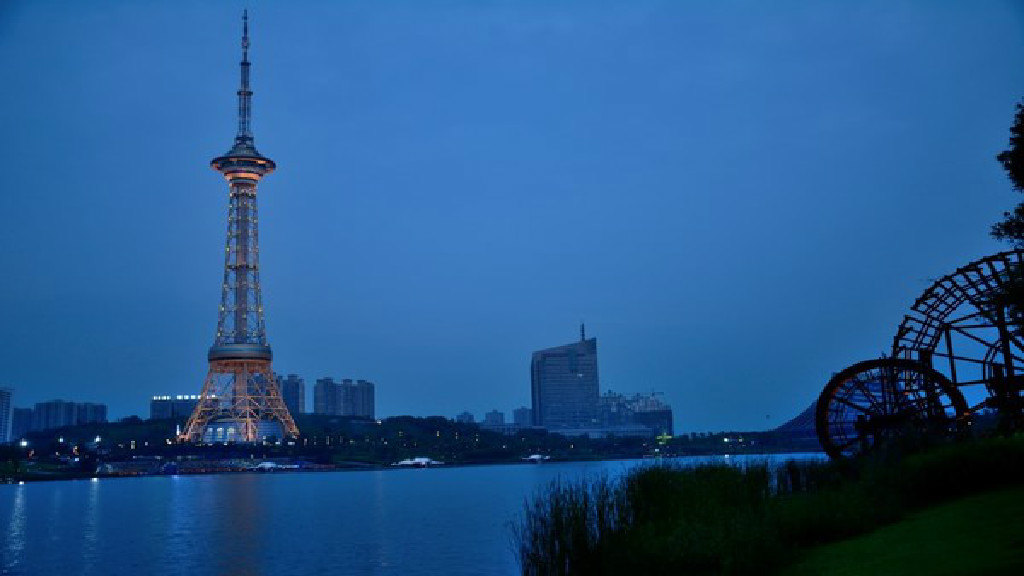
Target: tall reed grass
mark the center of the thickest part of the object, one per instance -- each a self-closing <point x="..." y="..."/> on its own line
<point x="710" y="519"/>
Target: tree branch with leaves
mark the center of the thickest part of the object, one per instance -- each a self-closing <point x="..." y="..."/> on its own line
<point x="1011" y="229"/>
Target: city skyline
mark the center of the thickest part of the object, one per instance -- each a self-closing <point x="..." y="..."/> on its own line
<point x="462" y="186"/>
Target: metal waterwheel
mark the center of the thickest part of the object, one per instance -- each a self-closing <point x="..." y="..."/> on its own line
<point x="961" y="348"/>
<point x="876" y="400"/>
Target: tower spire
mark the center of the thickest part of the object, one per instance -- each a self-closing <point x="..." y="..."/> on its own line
<point x="583" y="332"/>
<point x="244" y="137"/>
<point x="245" y="35"/>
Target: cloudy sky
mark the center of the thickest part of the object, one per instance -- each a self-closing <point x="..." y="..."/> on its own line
<point x="738" y="198"/>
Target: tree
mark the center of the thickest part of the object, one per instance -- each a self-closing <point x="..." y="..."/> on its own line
<point x="1006" y="392"/>
<point x="1011" y="229"/>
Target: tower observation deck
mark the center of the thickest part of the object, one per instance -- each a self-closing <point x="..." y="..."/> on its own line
<point x="240" y="399"/>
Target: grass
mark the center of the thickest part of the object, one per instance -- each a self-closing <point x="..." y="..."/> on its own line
<point x="654" y="520"/>
<point x="982" y="534"/>
<point x="719" y="519"/>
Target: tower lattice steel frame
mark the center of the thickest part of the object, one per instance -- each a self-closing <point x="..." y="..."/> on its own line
<point x="240" y="391"/>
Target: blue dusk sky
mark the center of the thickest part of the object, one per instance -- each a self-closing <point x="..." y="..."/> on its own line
<point x="738" y="198"/>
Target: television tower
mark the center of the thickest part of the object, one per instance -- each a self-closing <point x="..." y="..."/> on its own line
<point x="240" y="400"/>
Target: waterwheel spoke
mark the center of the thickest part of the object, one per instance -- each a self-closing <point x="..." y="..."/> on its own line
<point x="867" y="393"/>
<point x="846" y="402"/>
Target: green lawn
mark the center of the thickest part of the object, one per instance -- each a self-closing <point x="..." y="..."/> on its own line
<point x="981" y="534"/>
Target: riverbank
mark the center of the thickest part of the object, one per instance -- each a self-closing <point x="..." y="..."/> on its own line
<point x="716" y="519"/>
<point x="148" y="467"/>
<point x="345" y="441"/>
<point x="137" y="447"/>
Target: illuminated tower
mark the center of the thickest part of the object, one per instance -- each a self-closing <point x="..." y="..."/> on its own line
<point x="240" y="400"/>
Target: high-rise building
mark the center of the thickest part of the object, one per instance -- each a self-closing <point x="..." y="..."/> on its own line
<point x="53" y="414"/>
<point x="564" y="385"/>
<point x="59" y="413"/>
<point x="5" y="414"/>
<point x="644" y="410"/>
<point x="659" y="421"/>
<point x="614" y="410"/>
<point x="362" y="399"/>
<point x="494" y="418"/>
<point x="345" y="398"/>
<point x="21" y="423"/>
<point x="90" y="413"/>
<point x="326" y="394"/>
<point x="167" y="406"/>
<point x="240" y="400"/>
<point x="293" y="390"/>
<point x="522" y="416"/>
<point x="464" y="418"/>
<point x="651" y="412"/>
<point x="160" y="408"/>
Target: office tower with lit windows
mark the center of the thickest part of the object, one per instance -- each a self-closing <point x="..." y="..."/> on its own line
<point x="564" y="385"/>
<point x="167" y="406"/>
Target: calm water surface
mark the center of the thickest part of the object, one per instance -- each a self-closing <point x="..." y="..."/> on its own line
<point x="436" y="521"/>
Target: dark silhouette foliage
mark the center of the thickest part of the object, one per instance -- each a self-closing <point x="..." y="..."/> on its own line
<point x="1011" y="229"/>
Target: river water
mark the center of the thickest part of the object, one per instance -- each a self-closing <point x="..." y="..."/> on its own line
<point x="450" y="521"/>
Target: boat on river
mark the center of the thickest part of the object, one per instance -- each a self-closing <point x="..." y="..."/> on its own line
<point x="419" y="462"/>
